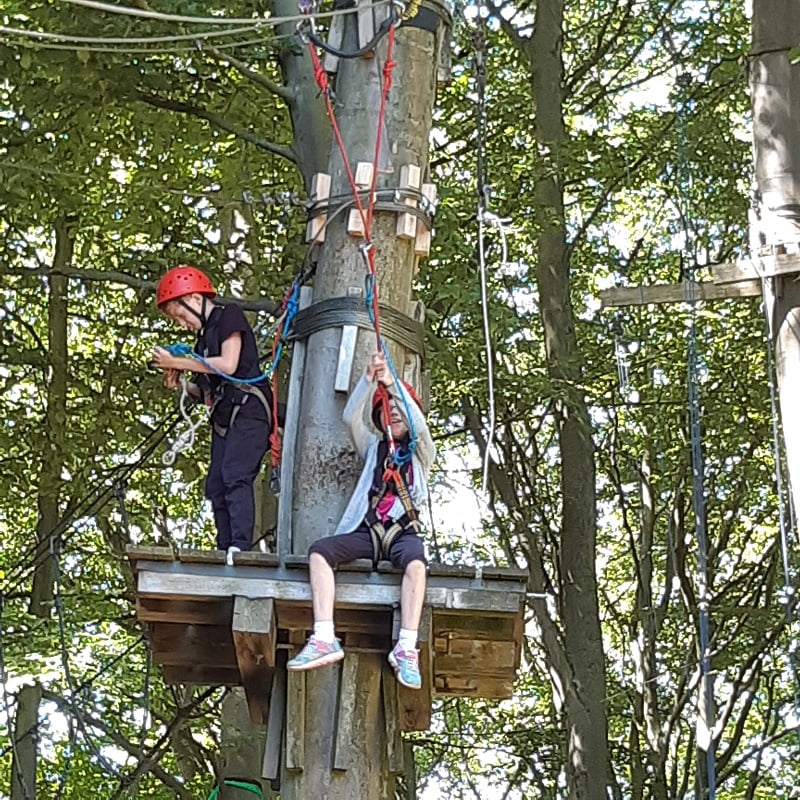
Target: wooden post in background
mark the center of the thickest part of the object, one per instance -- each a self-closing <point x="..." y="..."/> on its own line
<point x="775" y="224"/>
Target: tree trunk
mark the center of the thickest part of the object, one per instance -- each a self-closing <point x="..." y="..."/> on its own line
<point x="23" y="768"/>
<point x="55" y="423"/>
<point x="587" y="763"/>
<point x="242" y="748"/>
<point x="326" y="466"/>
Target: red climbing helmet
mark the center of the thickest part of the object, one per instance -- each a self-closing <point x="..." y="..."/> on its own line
<point x="183" y="280"/>
<point x="376" y="402"/>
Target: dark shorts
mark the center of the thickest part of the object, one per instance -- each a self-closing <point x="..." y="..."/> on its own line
<point x="407" y="546"/>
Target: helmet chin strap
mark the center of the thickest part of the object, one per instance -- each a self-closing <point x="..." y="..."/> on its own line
<point x="202" y="316"/>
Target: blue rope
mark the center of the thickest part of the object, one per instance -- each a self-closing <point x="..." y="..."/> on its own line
<point x="400" y="457"/>
<point x="292" y="305"/>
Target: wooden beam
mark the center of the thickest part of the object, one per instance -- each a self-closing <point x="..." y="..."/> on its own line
<point x="188" y="612"/>
<point x="295" y="720"/>
<point x="190" y="585"/>
<point x="277" y="711"/>
<point x="192" y="675"/>
<point x="661" y="294"/>
<point x="254" y="636"/>
<point x="198" y="645"/>
<point x="414" y="705"/>
<point x="348" y="688"/>
<point x="391" y="714"/>
<point x="753" y="269"/>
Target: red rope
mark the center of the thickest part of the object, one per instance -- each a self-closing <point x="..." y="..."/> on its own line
<point x="366" y="217"/>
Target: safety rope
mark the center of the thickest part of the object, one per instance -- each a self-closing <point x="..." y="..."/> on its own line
<point x="367" y="247"/>
<point x="185" y="439"/>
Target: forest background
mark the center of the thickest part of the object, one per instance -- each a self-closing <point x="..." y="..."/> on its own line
<point x="118" y="159"/>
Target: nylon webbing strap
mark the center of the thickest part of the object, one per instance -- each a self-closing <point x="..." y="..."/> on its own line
<point x="247" y="786"/>
<point x="337" y="312"/>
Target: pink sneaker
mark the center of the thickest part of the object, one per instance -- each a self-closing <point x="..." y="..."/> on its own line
<point x="316" y="654"/>
<point x="406" y="667"/>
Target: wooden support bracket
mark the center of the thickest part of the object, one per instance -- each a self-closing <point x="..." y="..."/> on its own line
<point x="320" y="190"/>
<point x="363" y="181"/>
<point x="295" y="720"/>
<point x="422" y="242"/>
<point x="414" y="705"/>
<point x="347" y="704"/>
<point x="410" y="179"/>
<point x="277" y="711"/>
<point x="254" y="637"/>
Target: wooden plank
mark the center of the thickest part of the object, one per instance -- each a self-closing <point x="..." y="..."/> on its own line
<point x="191" y="612"/>
<point x="451" y="570"/>
<point x="347" y="620"/>
<point x="254" y="636"/>
<point x="347" y="704"/>
<point x="255" y="558"/>
<point x="359" y="565"/>
<point x="414" y="705"/>
<point x="136" y="553"/>
<point x="270" y="768"/>
<point x="190" y="585"/>
<point x="391" y="713"/>
<point x="749" y="269"/>
<point x="192" y="645"/>
<point x="291" y="561"/>
<point x="472" y="626"/>
<point x="487" y="688"/>
<point x="366" y="24"/>
<point x="506" y="574"/>
<point x="190" y="675"/>
<point x="675" y="293"/>
<point x="202" y="556"/>
<point x="294" y="389"/>
<point x="295" y="720"/>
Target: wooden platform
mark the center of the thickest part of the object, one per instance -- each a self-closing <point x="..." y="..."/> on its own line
<point x="211" y="623"/>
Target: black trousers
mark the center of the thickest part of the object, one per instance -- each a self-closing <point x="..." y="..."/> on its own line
<point x="235" y="463"/>
<point x="407" y="546"/>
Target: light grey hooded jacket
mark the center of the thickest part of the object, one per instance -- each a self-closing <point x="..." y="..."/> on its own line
<point x="358" y="417"/>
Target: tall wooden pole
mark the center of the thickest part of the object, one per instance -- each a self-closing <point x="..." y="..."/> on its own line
<point x="320" y="759"/>
<point x="775" y="97"/>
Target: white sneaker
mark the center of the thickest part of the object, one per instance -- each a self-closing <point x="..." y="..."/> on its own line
<point x="231" y="550"/>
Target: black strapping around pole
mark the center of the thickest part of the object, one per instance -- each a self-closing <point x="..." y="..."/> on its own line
<point x="337" y="312"/>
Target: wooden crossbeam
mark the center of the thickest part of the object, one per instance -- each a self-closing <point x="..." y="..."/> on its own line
<point x="664" y="293"/>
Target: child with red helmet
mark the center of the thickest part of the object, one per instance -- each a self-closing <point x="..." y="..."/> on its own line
<point x="241" y="412"/>
<point x="381" y="518"/>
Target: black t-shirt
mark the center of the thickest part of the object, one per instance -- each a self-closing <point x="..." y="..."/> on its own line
<point x="223" y="322"/>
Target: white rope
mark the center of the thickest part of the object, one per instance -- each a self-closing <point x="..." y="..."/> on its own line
<point x="486" y="217"/>
<point x="185" y="439"/>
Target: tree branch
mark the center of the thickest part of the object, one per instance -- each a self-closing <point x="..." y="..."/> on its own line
<point x="216" y="121"/>
<point x="260" y="80"/>
<point x="141" y="286"/>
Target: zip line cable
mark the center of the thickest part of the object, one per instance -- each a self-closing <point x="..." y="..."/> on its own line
<point x="271" y="21"/>
<point x="484" y="191"/>
<point x="698" y="466"/>
<point x="178" y="37"/>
